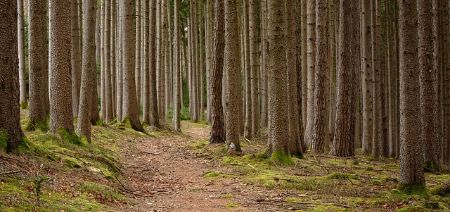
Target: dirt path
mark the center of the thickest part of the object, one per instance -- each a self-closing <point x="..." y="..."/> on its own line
<point x="165" y="175"/>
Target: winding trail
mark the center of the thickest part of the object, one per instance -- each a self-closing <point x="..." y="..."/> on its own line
<point x="164" y="174"/>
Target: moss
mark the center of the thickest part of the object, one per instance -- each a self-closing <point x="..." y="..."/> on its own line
<point x="211" y="174"/>
<point x="42" y="125"/>
<point x="232" y="205"/>
<point x="24" y="105"/>
<point x="102" y="192"/>
<point x="227" y="196"/>
<point x="4" y="137"/>
<point x="71" y="137"/>
<point x="281" y="158"/>
<point x="442" y="190"/>
<point x="411" y="189"/>
<point x="324" y="208"/>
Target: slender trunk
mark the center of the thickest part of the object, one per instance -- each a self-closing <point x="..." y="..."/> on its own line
<point x="176" y="69"/>
<point x="311" y="58"/>
<point x="20" y="38"/>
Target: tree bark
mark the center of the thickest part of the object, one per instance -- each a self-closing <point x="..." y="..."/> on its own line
<point x="311" y="58"/>
<point x="254" y="35"/>
<point x="9" y="75"/>
<point x="20" y="38"/>
<point x="367" y="77"/>
<point x="411" y="150"/>
<point x="344" y="140"/>
<point x="61" y="117"/>
<point x="176" y="69"/>
<point x="88" y="70"/>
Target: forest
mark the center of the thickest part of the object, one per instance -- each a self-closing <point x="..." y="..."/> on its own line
<point x="225" y="105"/>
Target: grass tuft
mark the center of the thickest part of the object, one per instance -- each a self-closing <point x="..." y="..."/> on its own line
<point x="281" y="158"/>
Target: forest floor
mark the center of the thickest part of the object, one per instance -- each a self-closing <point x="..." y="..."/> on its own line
<point x="124" y="170"/>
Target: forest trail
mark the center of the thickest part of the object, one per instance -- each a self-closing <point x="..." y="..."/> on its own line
<point x="164" y="174"/>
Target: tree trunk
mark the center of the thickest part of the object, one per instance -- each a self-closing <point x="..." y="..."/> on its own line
<point x="20" y="38"/>
<point x="9" y="73"/>
<point x="311" y="59"/>
<point x="377" y="134"/>
<point x="139" y="17"/>
<point x="75" y="58"/>
<point x="176" y="69"/>
<point x="154" y="116"/>
<point x="231" y="66"/>
<point x="320" y="120"/>
<point x="217" y="119"/>
<point x="344" y="140"/>
<point x="367" y="77"/>
<point x="88" y="70"/>
<point x="411" y="150"/>
<point x="248" y="85"/>
<point x="38" y="62"/>
<point x="147" y="65"/>
<point x="254" y="34"/>
<point x="61" y="117"/>
<point x="130" y="108"/>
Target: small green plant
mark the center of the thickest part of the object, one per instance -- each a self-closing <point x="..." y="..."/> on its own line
<point x="71" y="137"/>
<point x="38" y="184"/>
<point x="24" y="105"/>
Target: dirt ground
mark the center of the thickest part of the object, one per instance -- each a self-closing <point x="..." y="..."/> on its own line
<point x="164" y="174"/>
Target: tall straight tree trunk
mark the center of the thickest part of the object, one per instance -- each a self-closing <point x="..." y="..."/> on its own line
<point x="209" y="53"/>
<point x="114" y="57"/>
<point x="154" y="116"/>
<point x="137" y="72"/>
<point x="294" y="145"/>
<point x="247" y="79"/>
<point x="38" y="64"/>
<point x="377" y="134"/>
<point x="103" y="63"/>
<point x="264" y="66"/>
<point x="231" y="67"/>
<point x="344" y="140"/>
<point x="162" y="61"/>
<point x="311" y="58"/>
<point x="411" y="150"/>
<point x="130" y="108"/>
<point x="428" y="86"/>
<point x="61" y="117"/>
<point x="119" y="65"/>
<point x="146" y="71"/>
<point x="88" y="70"/>
<point x="75" y="58"/>
<point x="176" y="69"/>
<point x="304" y="73"/>
<point x="108" y="62"/>
<point x="277" y="78"/>
<point x="254" y="34"/>
<point x="9" y="73"/>
<point x="367" y="76"/>
<point x="20" y="38"/>
<point x="217" y="119"/>
<point x="320" y="120"/>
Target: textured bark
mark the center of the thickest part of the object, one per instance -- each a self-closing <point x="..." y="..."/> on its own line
<point x="209" y="37"/>
<point x="160" y="49"/>
<point x="119" y="66"/>
<point x="154" y="116"/>
<point x="295" y="138"/>
<point x="38" y="62"/>
<point x="254" y="34"/>
<point x="176" y="69"/>
<point x="445" y="81"/>
<point x="146" y="71"/>
<point x="9" y="75"/>
<point x="278" y="133"/>
<point x="428" y="86"/>
<point x="264" y="66"/>
<point x="20" y="39"/>
<point x="320" y="120"/>
<point x="108" y="63"/>
<point x="75" y="56"/>
<point x="231" y="66"/>
<point x="366" y="76"/>
<point x="217" y="119"/>
<point x="411" y="147"/>
<point x="304" y="73"/>
<point x="311" y="58"/>
<point x="344" y="140"/>
<point x="377" y="133"/>
<point x="88" y="70"/>
<point x="247" y="69"/>
<point x="137" y="72"/>
<point x="61" y="117"/>
<point x="113" y="57"/>
<point x="130" y="108"/>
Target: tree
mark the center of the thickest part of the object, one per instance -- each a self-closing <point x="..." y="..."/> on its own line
<point x="146" y="69"/>
<point x="320" y="120"/>
<point x="217" y="119"/>
<point x="254" y="34"/>
<point x="428" y="85"/>
<point x="130" y="108"/>
<point x="411" y="147"/>
<point x="154" y="116"/>
<point x="20" y="38"/>
<point x="108" y="64"/>
<point x="310" y="60"/>
<point x="278" y="133"/>
<point x="295" y="138"/>
<point x="366" y="76"/>
<point x="9" y="75"/>
<point x="61" y="117"/>
<point x="139" y="39"/>
<point x="88" y="70"/>
<point x="377" y="116"/>
<point x="176" y="69"/>
<point x="38" y="59"/>
<point x="75" y="56"/>
<point x="247" y="69"/>
<point x="232" y="68"/>
<point x="344" y="140"/>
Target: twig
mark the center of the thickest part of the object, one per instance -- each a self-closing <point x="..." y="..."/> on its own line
<point x="11" y="172"/>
